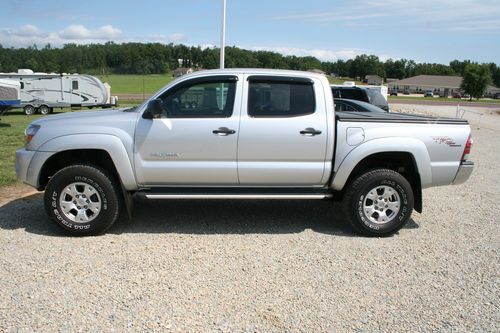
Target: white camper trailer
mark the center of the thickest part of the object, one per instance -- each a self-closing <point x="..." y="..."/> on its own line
<point x="10" y="95"/>
<point x="41" y="92"/>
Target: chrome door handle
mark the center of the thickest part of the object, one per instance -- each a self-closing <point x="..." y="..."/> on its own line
<point x="310" y="132"/>
<point x="223" y="131"/>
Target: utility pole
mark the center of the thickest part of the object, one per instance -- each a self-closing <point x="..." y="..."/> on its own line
<point x="223" y="34"/>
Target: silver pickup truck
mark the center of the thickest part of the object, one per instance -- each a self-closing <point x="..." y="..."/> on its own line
<point x="241" y="134"/>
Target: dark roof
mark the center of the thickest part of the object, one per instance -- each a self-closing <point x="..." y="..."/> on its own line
<point x="431" y="80"/>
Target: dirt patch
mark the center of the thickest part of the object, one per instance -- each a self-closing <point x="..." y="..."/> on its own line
<point x="16" y="191"/>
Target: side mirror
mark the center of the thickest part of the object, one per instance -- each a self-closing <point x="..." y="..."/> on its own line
<point x="154" y="109"/>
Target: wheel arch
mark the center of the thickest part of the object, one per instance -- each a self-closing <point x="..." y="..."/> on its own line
<point x="106" y="151"/>
<point x="404" y="155"/>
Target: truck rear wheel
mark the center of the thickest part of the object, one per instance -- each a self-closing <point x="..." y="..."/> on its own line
<point x="44" y="109"/>
<point x="82" y="200"/>
<point x="378" y="203"/>
<point x="29" y="110"/>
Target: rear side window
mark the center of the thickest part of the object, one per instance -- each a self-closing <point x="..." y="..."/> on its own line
<point x="280" y="99"/>
<point x="350" y="93"/>
<point x="74" y="85"/>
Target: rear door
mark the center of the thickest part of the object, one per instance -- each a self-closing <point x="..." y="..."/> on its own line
<point x="283" y="132"/>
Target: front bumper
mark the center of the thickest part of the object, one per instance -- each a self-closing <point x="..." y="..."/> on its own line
<point x="28" y="165"/>
<point x="23" y="160"/>
<point x="464" y="172"/>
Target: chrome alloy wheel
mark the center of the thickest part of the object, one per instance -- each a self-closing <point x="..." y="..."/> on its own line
<point x="80" y="202"/>
<point x="381" y="204"/>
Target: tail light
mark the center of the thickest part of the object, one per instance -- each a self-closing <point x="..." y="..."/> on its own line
<point x="468" y="147"/>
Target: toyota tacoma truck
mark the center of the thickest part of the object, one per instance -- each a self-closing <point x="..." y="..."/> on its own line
<point x="242" y="134"/>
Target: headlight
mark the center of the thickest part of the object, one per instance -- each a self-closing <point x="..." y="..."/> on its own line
<point x="30" y="132"/>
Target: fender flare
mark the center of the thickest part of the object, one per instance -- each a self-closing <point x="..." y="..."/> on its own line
<point x="109" y="143"/>
<point x="412" y="146"/>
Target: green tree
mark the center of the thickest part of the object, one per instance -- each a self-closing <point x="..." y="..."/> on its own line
<point x="475" y="80"/>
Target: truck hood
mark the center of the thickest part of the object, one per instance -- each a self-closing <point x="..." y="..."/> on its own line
<point x="98" y="115"/>
<point x="115" y="122"/>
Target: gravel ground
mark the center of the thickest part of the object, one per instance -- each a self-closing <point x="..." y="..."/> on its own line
<point x="280" y="266"/>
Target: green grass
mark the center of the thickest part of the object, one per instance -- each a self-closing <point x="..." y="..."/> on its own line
<point x="341" y="80"/>
<point x="136" y="84"/>
<point x="12" y="135"/>
<point x="439" y="99"/>
<point x="148" y="84"/>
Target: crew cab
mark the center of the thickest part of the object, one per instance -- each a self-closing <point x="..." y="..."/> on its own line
<point x="241" y="134"/>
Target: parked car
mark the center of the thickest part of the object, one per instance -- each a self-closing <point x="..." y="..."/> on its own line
<point x="457" y="94"/>
<point x="351" y="105"/>
<point x="393" y="92"/>
<point x="406" y="92"/>
<point x="363" y="94"/>
<point x="428" y="93"/>
<point x="496" y="96"/>
<point x="252" y="134"/>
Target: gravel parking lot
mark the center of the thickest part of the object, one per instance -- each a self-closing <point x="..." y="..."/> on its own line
<point x="230" y="266"/>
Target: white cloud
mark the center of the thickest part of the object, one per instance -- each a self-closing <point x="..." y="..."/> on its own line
<point x="172" y="38"/>
<point x="79" y="34"/>
<point x="443" y="15"/>
<point x="321" y="54"/>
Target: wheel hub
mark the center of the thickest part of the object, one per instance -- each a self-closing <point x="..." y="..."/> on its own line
<point x="80" y="202"/>
<point x="381" y="204"/>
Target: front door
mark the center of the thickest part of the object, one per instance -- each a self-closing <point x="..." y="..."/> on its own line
<point x="195" y="140"/>
<point x="283" y="133"/>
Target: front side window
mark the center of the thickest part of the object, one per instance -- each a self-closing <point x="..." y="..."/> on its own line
<point x="74" y="85"/>
<point x="200" y="100"/>
<point x="280" y="99"/>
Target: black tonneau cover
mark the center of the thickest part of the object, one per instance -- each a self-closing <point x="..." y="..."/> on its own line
<point x="393" y="117"/>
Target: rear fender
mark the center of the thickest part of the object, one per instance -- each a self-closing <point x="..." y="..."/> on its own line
<point x="384" y="145"/>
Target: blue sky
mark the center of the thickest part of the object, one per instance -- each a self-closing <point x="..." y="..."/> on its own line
<point x="422" y="30"/>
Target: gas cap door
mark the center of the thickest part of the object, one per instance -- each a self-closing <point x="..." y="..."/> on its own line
<point x="355" y="136"/>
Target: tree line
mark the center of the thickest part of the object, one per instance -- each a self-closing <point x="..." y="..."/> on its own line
<point x="156" y="58"/>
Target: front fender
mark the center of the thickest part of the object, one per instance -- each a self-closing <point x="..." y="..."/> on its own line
<point x="385" y="145"/>
<point x="109" y="143"/>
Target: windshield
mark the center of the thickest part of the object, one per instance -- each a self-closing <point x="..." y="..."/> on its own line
<point x="369" y="107"/>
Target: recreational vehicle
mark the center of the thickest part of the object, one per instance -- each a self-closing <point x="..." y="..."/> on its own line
<point x="41" y="92"/>
<point x="10" y="95"/>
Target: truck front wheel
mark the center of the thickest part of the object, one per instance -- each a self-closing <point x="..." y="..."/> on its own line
<point x="378" y="202"/>
<point x="82" y="200"/>
<point x="29" y="110"/>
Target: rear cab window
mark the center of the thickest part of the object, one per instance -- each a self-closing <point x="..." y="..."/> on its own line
<point x="280" y="97"/>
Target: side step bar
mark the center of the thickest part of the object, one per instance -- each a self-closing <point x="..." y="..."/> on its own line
<point x="238" y="196"/>
<point x="235" y="193"/>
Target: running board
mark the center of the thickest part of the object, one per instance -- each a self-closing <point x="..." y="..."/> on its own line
<point x="238" y="196"/>
<point x="236" y="193"/>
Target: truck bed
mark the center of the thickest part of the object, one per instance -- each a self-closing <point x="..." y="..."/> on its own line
<point x="393" y="117"/>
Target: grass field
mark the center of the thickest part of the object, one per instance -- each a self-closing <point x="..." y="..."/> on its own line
<point x="136" y="84"/>
<point x="12" y="135"/>
<point x="148" y="84"/>
<point x="437" y="99"/>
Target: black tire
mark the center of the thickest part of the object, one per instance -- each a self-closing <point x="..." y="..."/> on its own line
<point x="44" y="109"/>
<point x="362" y="213"/>
<point x="83" y="178"/>
<point x="29" y="110"/>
